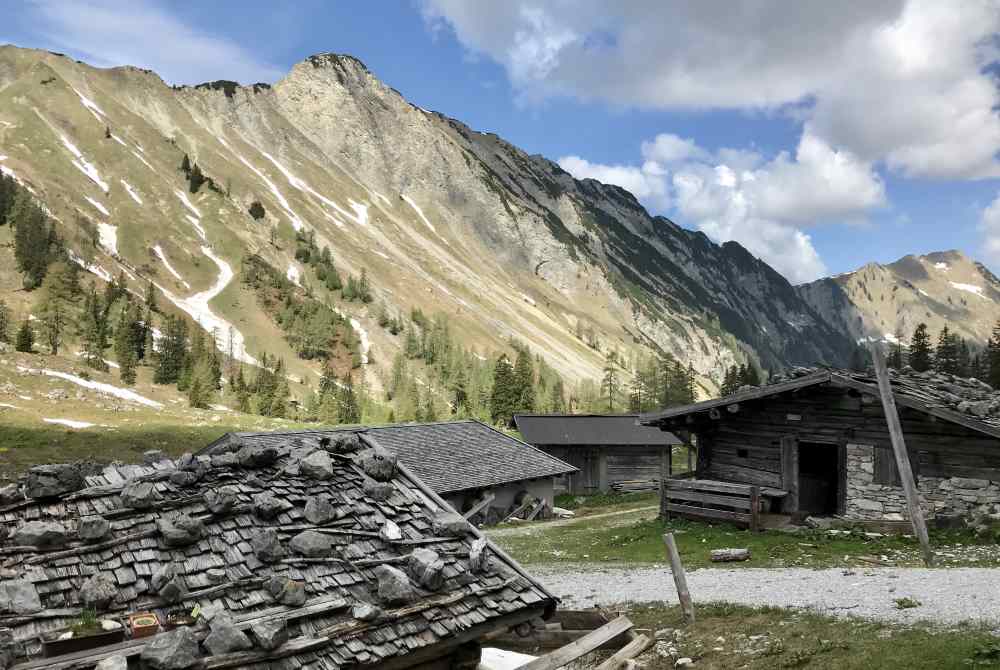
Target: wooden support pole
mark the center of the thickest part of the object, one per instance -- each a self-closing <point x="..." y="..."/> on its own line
<point x="639" y="644"/>
<point x="680" y="579"/>
<point x="581" y="647"/>
<point x="902" y="458"/>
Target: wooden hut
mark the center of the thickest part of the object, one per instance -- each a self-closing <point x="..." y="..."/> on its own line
<point x="611" y="451"/>
<point x="817" y="443"/>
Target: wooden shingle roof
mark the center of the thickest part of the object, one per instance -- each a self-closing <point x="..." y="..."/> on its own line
<point x="449" y="456"/>
<point x="379" y="515"/>
<point x="590" y="430"/>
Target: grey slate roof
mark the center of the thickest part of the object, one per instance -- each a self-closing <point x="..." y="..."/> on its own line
<point x="449" y="456"/>
<point x="590" y="430"/>
<point x="221" y="569"/>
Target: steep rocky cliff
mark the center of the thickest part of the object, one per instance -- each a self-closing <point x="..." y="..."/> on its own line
<point x="440" y="216"/>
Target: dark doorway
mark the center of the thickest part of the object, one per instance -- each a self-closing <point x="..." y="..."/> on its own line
<point x="819" y="478"/>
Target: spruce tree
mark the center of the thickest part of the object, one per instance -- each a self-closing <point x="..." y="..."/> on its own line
<point x="993" y="357"/>
<point x="125" y="344"/>
<point x="611" y="382"/>
<point x="195" y="178"/>
<point x="53" y="320"/>
<point x="4" y="321"/>
<point x="349" y="412"/>
<point x="524" y="382"/>
<point x="25" y="340"/>
<point x="505" y="395"/>
<point x="33" y="237"/>
<point x="946" y="355"/>
<point x="557" y="398"/>
<point x="460" y="393"/>
<point x="186" y="164"/>
<point x="920" y="349"/>
<point x="173" y="351"/>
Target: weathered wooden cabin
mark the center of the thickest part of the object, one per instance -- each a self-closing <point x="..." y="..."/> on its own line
<point x="326" y="554"/>
<point x="817" y="443"/>
<point x="611" y="451"/>
<point x="465" y="462"/>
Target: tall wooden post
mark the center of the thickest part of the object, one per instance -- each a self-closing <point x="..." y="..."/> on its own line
<point x="899" y="449"/>
<point x="680" y="579"/>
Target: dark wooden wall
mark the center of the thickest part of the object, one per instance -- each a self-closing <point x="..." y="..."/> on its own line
<point x="602" y="466"/>
<point x="829" y="414"/>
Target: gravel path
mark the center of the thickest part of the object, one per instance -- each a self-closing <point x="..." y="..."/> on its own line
<point x="948" y="596"/>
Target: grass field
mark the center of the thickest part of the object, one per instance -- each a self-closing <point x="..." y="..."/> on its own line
<point x="731" y="636"/>
<point x="638" y="539"/>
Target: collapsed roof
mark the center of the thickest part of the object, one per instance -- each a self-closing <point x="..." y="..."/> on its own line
<point x="329" y="540"/>
<point x="449" y="456"/>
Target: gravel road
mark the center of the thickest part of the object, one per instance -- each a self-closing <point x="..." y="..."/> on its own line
<point x="947" y="596"/>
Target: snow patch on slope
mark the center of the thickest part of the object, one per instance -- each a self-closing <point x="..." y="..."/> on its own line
<point x="131" y="192"/>
<point x="144" y="161"/>
<point x="101" y="387"/>
<point x="108" y="236"/>
<point x="92" y="268"/>
<point x="969" y="288"/>
<point x="944" y="267"/>
<point x="366" y="343"/>
<point x="197" y="226"/>
<point x="197" y="307"/>
<point x="89" y="104"/>
<point x="187" y="202"/>
<point x="360" y="212"/>
<point x="158" y="250"/>
<point x="83" y="165"/>
<point x="98" y="206"/>
<point x="71" y="423"/>
<point x="119" y="140"/>
<point x="294" y="275"/>
<point x="381" y="197"/>
<point x="419" y="212"/>
<point x="297" y="223"/>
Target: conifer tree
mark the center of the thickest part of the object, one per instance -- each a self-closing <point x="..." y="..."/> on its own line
<point x="505" y="396"/>
<point x="524" y="382"/>
<point x="195" y="178"/>
<point x="186" y="164"/>
<point x="557" y="398"/>
<point x="125" y="344"/>
<point x="93" y="325"/>
<point x="25" y="340"/>
<point x="4" y="321"/>
<point x="611" y="382"/>
<point x="173" y="351"/>
<point x="920" y="349"/>
<point x="993" y="357"/>
<point x="460" y="393"/>
<point x="53" y="320"/>
<point x="946" y="355"/>
<point x="349" y="412"/>
<point x="33" y="237"/>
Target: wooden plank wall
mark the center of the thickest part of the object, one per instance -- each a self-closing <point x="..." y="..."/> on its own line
<point x="631" y="463"/>
<point x="829" y="414"/>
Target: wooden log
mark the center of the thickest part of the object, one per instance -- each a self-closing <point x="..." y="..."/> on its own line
<point x="902" y="459"/>
<point x="519" y="510"/>
<point x="726" y="555"/>
<point x="581" y="647"/>
<point x="534" y="512"/>
<point x="639" y="644"/>
<point x="680" y="579"/>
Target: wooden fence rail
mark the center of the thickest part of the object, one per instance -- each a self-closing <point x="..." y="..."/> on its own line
<point x="711" y="501"/>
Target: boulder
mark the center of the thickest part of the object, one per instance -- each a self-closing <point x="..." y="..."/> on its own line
<point x="224" y="461"/>
<point x="256" y="456"/>
<point x="344" y="443"/>
<point x="321" y="510"/>
<point x="225" y="637"/>
<point x="286" y="591"/>
<point x="168" y="584"/>
<point x="317" y="465"/>
<point x="267" y="506"/>
<point x="98" y="592"/>
<point x="270" y="634"/>
<point x="311" y="544"/>
<point x="394" y="587"/>
<point x="390" y="532"/>
<point x="969" y="483"/>
<point x="267" y="547"/>
<point x="42" y="534"/>
<point x="140" y="495"/>
<point x="19" y="596"/>
<point x="175" y="650"/>
<point x="221" y="501"/>
<point x="426" y="568"/>
<point x="379" y="491"/>
<point x="379" y="464"/>
<point x="93" y="528"/>
<point x="181" y="530"/>
<point x="160" y="578"/>
<point x="49" y="481"/>
<point x="450" y="524"/>
<point x="479" y="555"/>
<point x="366" y="611"/>
<point x="182" y="478"/>
<point x="153" y="456"/>
<point x="10" y="493"/>
<point x="116" y="662"/>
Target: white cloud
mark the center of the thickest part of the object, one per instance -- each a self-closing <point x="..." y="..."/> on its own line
<point x="648" y="183"/>
<point x="145" y="34"/>
<point x="733" y="195"/>
<point x="899" y="81"/>
<point x="989" y="225"/>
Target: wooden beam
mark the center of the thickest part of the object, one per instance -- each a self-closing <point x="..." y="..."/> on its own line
<point x="680" y="579"/>
<point x="581" y="647"/>
<point x="638" y="645"/>
<point x="899" y="449"/>
<point x="487" y="499"/>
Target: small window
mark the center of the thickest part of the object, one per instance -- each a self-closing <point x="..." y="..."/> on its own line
<point x="743" y="453"/>
<point x="886" y="472"/>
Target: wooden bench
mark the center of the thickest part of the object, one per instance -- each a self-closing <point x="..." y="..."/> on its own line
<point x="704" y="499"/>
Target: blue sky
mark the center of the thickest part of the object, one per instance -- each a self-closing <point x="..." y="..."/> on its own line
<point x="820" y="137"/>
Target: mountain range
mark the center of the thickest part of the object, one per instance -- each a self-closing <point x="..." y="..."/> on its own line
<point x="439" y="217"/>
